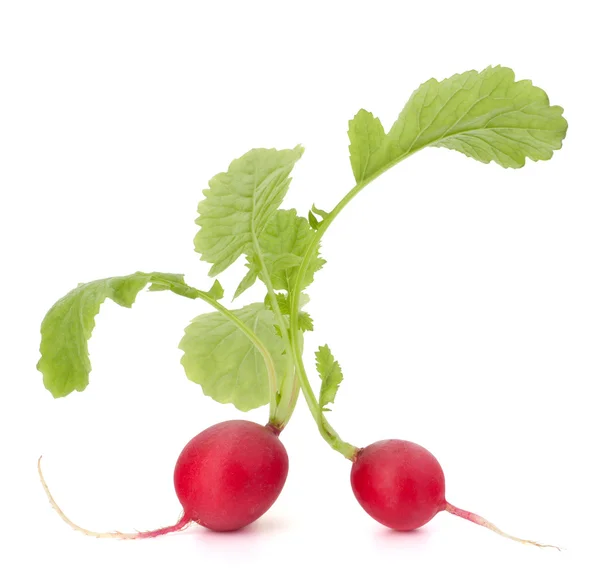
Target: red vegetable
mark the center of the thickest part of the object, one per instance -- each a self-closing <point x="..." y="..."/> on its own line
<point x="225" y="478"/>
<point x="402" y="485"/>
<point x="398" y="483"/>
<point x="230" y="474"/>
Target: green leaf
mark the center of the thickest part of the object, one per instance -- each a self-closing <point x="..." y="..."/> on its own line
<point x="282" y="301"/>
<point x="484" y="115"/>
<point x="248" y="280"/>
<point x="280" y="262"/>
<point x="238" y="204"/>
<point x="223" y="360"/>
<point x="313" y="221"/>
<point x="168" y="279"/>
<point x="68" y="325"/>
<point x="305" y="321"/>
<point x="283" y="243"/>
<point x="330" y="373"/>
<point x="216" y="291"/>
<point x="367" y="138"/>
<point x="320" y="212"/>
<point x="176" y="284"/>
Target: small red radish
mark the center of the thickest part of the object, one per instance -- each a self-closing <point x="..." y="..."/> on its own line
<point x="398" y="483"/>
<point x="402" y="485"/>
<point x="230" y="474"/>
<point x="225" y="478"/>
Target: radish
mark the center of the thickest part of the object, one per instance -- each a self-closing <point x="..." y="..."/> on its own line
<point x="230" y="474"/>
<point x="226" y="477"/>
<point x="402" y="485"/>
<point x="398" y="483"/>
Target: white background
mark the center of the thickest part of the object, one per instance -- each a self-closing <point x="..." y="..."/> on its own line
<point x="462" y="299"/>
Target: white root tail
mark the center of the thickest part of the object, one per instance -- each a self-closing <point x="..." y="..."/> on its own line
<point x="180" y="525"/>
<point x="474" y="518"/>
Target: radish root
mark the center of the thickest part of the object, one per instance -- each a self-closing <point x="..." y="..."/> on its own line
<point x="183" y="522"/>
<point x="474" y="518"/>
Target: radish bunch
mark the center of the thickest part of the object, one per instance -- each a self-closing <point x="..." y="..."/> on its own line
<point x="230" y="474"/>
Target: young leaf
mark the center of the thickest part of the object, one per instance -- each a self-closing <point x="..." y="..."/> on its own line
<point x="484" y="115"/>
<point x="313" y="221"/>
<point x="238" y="204"/>
<point x="223" y="360"/>
<point x="305" y="321"/>
<point x="284" y="242"/>
<point x="330" y="373"/>
<point x="282" y="301"/>
<point x="68" y="325"/>
<point x="216" y="291"/>
<point x="367" y="138"/>
<point x="248" y="280"/>
<point x="320" y="212"/>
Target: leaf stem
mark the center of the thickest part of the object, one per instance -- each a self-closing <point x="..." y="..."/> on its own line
<point x="292" y="399"/>
<point x="325" y="224"/>
<point x="276" y="416"/>
<point x="328" y="433"/>
<point x="325" y="429"/>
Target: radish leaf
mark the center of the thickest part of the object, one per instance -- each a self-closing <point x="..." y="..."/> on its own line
<point x="485" y="115"/>
<point x="223" y="360"/>
<point x="68" y="325"/>
<point x="248" y="280"/>
<point x="305" y="321"/>
<point x="284" y="242"/>
<point x="368" y="152"/>
<point x="331" y="376"/>
<point x="239" y="202"/>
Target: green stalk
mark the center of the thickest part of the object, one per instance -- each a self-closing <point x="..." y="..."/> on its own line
<point x="328" y="433"/>
<point x="289" y="398"/>
<point x="277" y="417"/>
<point x="325" y="429"/>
